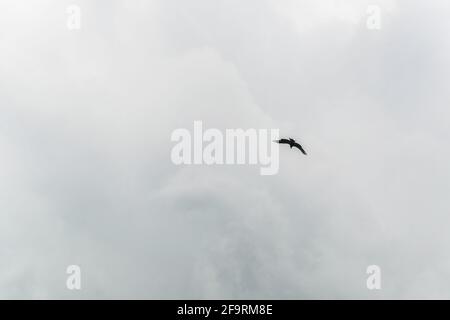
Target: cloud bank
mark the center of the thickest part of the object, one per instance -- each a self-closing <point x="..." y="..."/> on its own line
<point x="86" y="176"/>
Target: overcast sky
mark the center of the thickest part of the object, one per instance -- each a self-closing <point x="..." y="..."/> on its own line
<point x="86" y="176"/>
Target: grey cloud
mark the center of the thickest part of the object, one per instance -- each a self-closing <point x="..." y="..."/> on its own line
<point x="86" y="176"/>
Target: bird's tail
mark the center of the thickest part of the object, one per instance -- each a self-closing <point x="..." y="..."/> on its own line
<point x="276" y="140"/>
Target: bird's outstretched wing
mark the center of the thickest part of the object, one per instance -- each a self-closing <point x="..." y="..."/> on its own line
<point x="297" y="145"/>
<point x="283" y="141"/>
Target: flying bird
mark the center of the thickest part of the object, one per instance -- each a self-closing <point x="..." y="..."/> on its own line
<point x="292" y="143"/>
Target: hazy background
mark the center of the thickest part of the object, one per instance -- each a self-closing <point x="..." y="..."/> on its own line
<point x="85" y="171"/>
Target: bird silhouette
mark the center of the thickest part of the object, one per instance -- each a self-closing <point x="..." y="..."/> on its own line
<point x="292" y="143"/>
